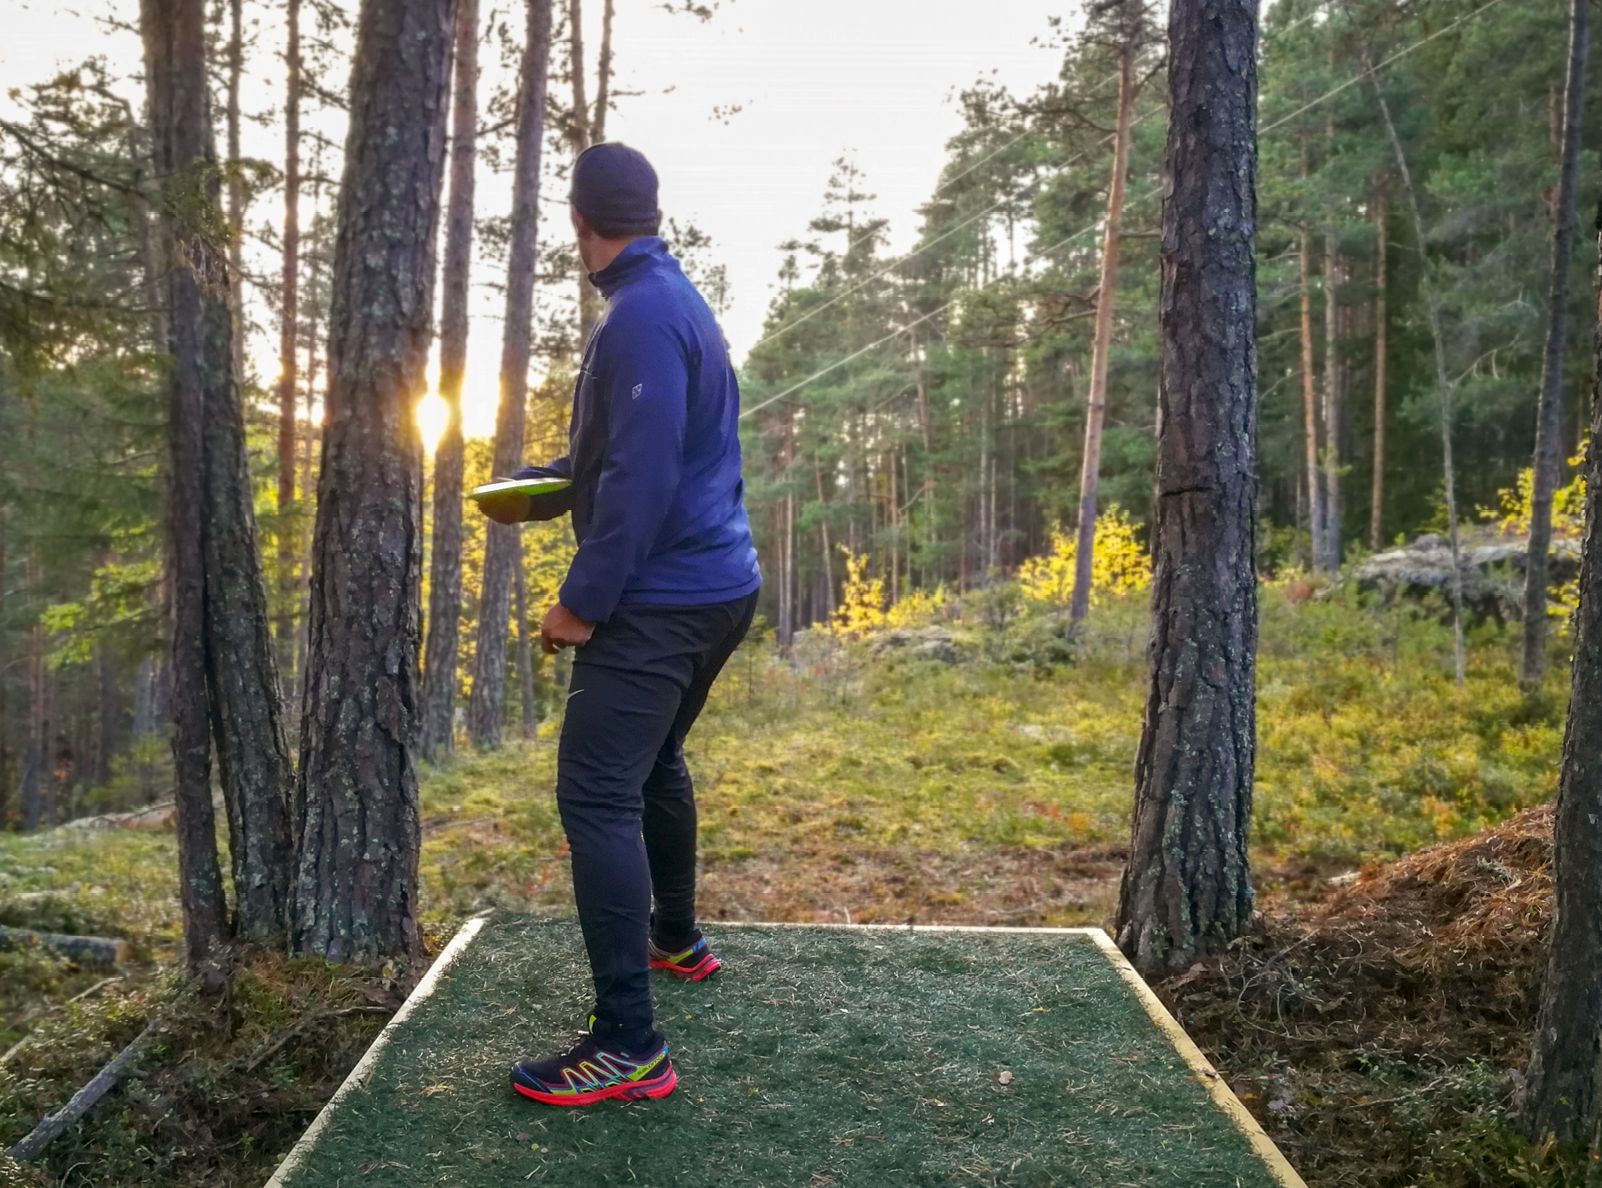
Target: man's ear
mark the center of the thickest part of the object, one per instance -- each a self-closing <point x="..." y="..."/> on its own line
<point x="581" y="225"/>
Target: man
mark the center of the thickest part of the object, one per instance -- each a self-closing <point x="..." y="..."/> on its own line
<point x="660" y="593"/>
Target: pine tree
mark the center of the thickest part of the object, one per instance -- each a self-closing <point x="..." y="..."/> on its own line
<point x="1187" y="889"/>
<point x="503" y="543"/>
<point x="197" y="319"/>
<point x="1563" y="1094"/>
<point x="1549" y="409"/>
<point x="438" y="737"/>
<point x="356" y="877"/>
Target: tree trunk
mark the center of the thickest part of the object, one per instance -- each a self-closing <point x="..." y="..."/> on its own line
<point x="445" y="563"/>
<point x="1564" y="1090"/>
<point x="1315" y="486"/>
<point x="355" y="895"/>
<point x="1187" y="890"/>
<point x="1376" y="522"/>
<point x="175" y="75"/>
<point x="1443" y="383"/>
<point x="244" y="700"/>
<point x="1106" y="297"/>
<point x="603" y="75"/>
<point x="144" y="712"/>
<point x="33" y="755"/>
<point x="288" y="355"/>
<point x="1333" y="395"/>
<point x="525" y="655"/>
<point x="311" y="446"/>
<point x="823" y="529"/>
<point x="579" y="136"/>
<point x="236" y="193"/>
<point x="1549" y="413"/>
<point x="579" y="130"/>
<point x="109" y="705"/>
<point x="503" y="544"/>
<point x="787" y="539"/>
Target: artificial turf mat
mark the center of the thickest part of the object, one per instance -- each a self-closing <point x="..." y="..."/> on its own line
<point x="819" y="1056"/>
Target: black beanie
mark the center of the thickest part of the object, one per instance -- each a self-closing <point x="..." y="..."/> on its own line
<point x="614" y="187"/>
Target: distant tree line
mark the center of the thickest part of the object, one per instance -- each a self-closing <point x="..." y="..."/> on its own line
<point x="937" y="409"/>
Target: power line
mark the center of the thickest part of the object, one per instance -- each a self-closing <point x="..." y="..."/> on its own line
<point x="1330" y="94"/>
<point x="890" y="267"/>
<point x="923" y="247"/>
<point x="1401" y="53"/>
<point x="992" y="155"/>
<point x="900" y="330"/>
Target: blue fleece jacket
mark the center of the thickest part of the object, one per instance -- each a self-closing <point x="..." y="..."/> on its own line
<point x="653" y="450"/>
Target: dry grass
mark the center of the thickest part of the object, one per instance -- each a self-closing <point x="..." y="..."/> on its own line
<point x="1379" y="1030"/>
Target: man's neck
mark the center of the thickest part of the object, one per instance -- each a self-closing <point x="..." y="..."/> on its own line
<point x="599" y="253"/>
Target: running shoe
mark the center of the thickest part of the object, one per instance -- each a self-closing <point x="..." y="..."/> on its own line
<point x="589" y="1073"/>
<point x="697" y="963"/>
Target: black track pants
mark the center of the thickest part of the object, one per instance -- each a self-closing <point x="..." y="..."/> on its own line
<point x="625" y="795"/>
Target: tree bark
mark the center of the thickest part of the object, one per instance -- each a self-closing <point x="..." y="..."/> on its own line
<point x="175" y="73"/>
<point x="288" y="354"/>
<point x="1564" y="1090"/>
<point x="525" y="655"/>
<point x="1443" y="383"/>
<point x="579" y="130"/>
<point x="787" y="618"/>
<point x="1549" y="412"/>
<point x="581" y="137"/>
<point x="445" y="563"/>
<point x="355" y="894"/>
<point x="603" y="75"/>
<point x="1376" y="522"/>
<point x="1187" y="890"/>
<point x="33" y="755"/>
<point x="245" y="698"/>
<point x="1334" y="383"/>
<point x="823" y="529"/>
<point x="236" y="193"/>
<point x="1315" y="486"/>
<point x="1106" y="297"/>
<point x="502" y="544"/>
<point x="109" y="704"/>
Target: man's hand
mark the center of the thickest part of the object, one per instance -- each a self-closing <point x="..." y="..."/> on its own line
<point x="510" y="507"/>
<point x="563" y="629"/>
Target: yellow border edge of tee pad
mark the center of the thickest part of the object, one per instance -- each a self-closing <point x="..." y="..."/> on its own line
<point x="1220" y="1091"/>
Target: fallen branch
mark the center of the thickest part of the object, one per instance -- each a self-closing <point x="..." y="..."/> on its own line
<point x="87" y="950"/>
<point x="40" y="1137"/>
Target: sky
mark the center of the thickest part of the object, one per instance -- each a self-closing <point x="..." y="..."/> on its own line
<point x="743" y="116"/>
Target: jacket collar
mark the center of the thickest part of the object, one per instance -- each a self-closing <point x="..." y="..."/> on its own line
<point x="632" y="262"/>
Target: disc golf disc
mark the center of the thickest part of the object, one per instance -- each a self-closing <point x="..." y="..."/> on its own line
<point x="530" y="486"/>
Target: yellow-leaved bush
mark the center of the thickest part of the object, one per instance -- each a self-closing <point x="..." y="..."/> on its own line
<point x="918" y="609"/>
<point x="861" y="608"/>
<point x="1513" y="514"/>
<point x="1513" y="511"/>
<point x="1119" y="566"/>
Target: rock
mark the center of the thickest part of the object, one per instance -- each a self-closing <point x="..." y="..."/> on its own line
<point x="1493" y="581"/>
<point x="917" y="643"/>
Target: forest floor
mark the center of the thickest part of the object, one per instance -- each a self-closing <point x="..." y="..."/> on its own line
<point x="1376" y="1023"/>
